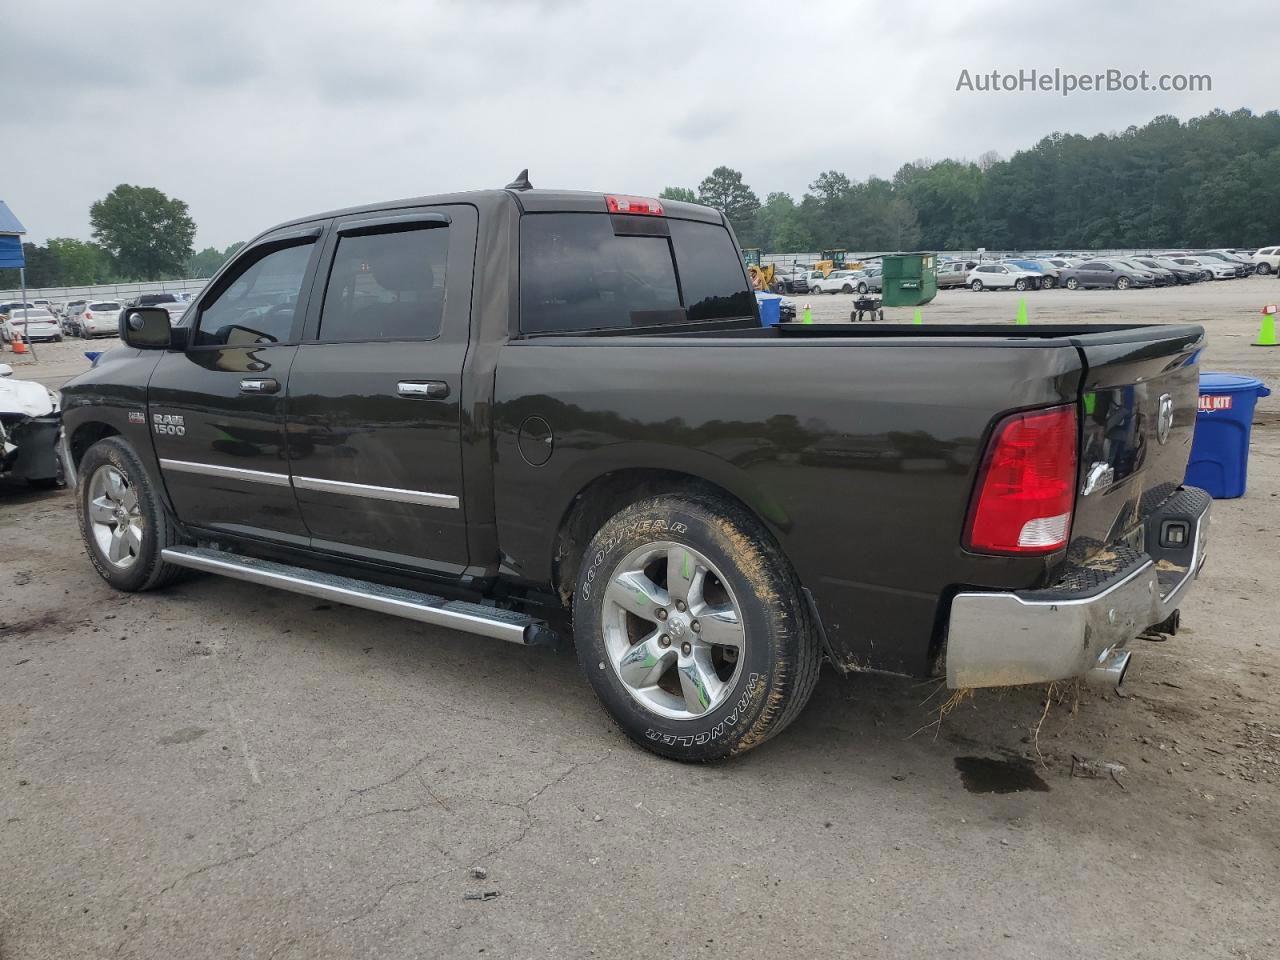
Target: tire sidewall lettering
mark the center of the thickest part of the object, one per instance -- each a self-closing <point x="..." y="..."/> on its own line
<point x="650" y="525"/>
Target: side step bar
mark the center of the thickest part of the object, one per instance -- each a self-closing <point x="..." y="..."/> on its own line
<point x="423" y="607"/>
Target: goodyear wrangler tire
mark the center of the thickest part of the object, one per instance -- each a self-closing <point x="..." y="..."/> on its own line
<point x="691" y="627"/>
<point x="122" y="520"/>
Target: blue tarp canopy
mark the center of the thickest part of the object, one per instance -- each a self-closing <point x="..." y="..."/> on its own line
<point x="11" y="231"/>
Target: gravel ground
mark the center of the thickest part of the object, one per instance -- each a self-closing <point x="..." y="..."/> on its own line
<point x="222" y="770"/>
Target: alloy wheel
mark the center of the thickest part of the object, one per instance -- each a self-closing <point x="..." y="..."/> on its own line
<point x="115" y="516"/>
<point x="673" y="630"/>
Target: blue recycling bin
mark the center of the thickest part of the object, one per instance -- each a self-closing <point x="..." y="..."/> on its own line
<point x="770" y="308"/>
<point x="1220" y="450"/>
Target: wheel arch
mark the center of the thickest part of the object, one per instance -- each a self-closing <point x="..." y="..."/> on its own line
<point x="611" y="491"/>
<point x="86" y="435"/>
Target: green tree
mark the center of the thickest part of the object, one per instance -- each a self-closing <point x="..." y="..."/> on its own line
<point x="830" y="186"/>
<point x="147" y="234"/>
<point x="206" y="263"/>
<point x="725" y="191"/>
<point x="678" y="193"/>
<point x="80" y="262"/>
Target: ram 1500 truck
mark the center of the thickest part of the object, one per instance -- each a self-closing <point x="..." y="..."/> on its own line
<point x="535" y="414"/>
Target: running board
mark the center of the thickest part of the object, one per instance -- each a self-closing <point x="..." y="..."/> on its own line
<point x="423" y="607"/>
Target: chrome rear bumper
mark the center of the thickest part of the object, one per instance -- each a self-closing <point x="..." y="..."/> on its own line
<point x="1034" y="636"/>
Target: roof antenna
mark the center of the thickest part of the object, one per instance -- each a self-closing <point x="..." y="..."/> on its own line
<point x="521" y="182"/>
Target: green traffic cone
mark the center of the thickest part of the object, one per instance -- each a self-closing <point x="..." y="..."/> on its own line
<point x="1267" y="332"/>
<point x="919" y="318"/>
<point x="808" y="314"/>
<point x="1022" y="312"/>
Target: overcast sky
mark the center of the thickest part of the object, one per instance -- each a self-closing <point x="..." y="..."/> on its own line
<point x="257" y="112"/>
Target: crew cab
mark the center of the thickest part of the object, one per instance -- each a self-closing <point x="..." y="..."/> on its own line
<point x="541" y="415"/>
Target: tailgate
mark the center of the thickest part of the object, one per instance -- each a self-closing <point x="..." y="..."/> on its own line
<point x="1138" y="410"/>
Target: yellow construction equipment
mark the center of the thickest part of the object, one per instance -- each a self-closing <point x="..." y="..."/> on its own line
<point x="764" y="278"/>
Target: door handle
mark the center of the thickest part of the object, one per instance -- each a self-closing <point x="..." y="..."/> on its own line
<point x="264" y="385"/>
<point x="423" y="389"/>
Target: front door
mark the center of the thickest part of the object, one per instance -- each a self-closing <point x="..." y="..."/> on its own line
<point x="216" y="409"/>
<point x="375" y="394"/>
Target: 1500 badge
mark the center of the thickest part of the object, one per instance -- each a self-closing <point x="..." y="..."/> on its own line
<point x="169" y="423"/>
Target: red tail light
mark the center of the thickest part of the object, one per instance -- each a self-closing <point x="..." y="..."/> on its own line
<point x="88" y="315"/>
<point x="1026" y="487"/>
<point x="646" y="206"/>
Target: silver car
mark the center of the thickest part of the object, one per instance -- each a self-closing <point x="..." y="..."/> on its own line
<point x="100" y="319"/>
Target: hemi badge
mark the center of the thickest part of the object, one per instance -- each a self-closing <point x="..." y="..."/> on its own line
<point x="137" y="416"/>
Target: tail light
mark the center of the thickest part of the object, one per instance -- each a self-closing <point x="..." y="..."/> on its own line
<point x="1026" y="486"/>
<point x="646" y="206"/>
<point x="88" y="315"/>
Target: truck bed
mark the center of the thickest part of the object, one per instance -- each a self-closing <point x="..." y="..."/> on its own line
<point x="859" y="446"/>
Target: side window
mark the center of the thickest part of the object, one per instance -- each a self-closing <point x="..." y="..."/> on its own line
<point x="386" y="286"/>
<point x="259" y="304"/>
<point x="576" y="274"/>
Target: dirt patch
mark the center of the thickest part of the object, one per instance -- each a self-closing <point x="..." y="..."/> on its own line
<point x="20" y="628"/>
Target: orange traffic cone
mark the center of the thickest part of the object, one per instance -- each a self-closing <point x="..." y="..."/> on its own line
<point x="18" y="345"/>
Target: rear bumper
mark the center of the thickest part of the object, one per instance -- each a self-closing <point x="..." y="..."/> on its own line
<point x="1033" y="636"/>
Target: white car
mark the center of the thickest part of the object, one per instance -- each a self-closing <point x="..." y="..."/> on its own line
<point x="100" y="319"/>
<point x="29" y="426"/>
<point x="838" y="281"/>
<point x="1211" y="268"/>
<point x="1267" y="260"/>
<point x="35" y="323"/>
<point x="1002" y="276"/>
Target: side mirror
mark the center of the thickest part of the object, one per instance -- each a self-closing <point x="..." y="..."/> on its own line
<point x="147" y="328"/>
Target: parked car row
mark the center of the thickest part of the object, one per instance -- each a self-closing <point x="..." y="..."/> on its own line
<point x="1121" y="273"/>
<point x="1043" y="273"/>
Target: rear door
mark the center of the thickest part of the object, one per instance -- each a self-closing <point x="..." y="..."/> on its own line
<point x="375" y="394"/>
<point x="216" y="409"/>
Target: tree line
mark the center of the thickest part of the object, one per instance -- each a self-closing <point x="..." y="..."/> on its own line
<point x="139" y="233"/>
<point x="1208" y="182"/>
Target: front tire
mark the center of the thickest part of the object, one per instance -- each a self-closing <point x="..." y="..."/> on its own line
<point x="691" y="628"/>
<point x="122" y="520"/>
<point x="862" y="289"/>
<point x="1072" y="283"/>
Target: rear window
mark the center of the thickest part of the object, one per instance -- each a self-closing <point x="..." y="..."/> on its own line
<point x="577" y="274"/>
<point x="387" y="286"/>
<point x="105" y="305"/>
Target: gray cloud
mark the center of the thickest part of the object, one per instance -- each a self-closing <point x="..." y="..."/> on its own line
<point x="256" y="112"/>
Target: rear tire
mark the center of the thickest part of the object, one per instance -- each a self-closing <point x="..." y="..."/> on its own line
<point x="846" y="289"/>
<point x="686" y="697"/>
<point x="1263" y="269"/>
<point x="1122" y="283"/>
<point x="1020" y="285"/>
<point x="145" y="525"/>
<point x="862" y="289"/>
<point x="976" y="286"/>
